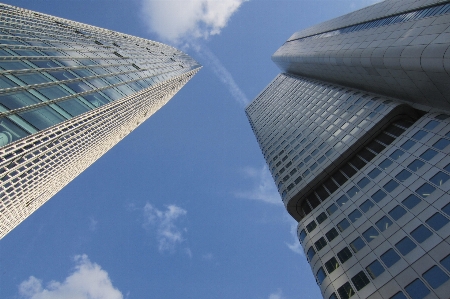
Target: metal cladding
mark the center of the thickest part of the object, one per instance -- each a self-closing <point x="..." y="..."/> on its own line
<point x="68" y="93"/>
<point x="356" y="135"/>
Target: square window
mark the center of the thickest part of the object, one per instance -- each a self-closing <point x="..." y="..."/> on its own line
<point x="322" y="217"/>
<point x="408" y="144"/>
<point x="396" y="154"/>
<point x="419" y="135"/>
<point x="403" y="175"/>
<point x="421" y="233"/>
<point x="346" y="291"/>
<point x="342" y="200"/>
<point x="331" y="209"/>
<point x="320" y="275"/>
<point x="397" y="213"/>
<point x="331" y="234"/>
<point x="331" y="265"/>
<point x="431" y="125"/>
<point x="439" y="178"/>
<point x="405" y="246"/>
<point x="385" y="164"/>
<point x="357" y="244"/>
<point x="360" y="280"/>
<point x="435" y="277"/>
<point x="437" y="221"/>
<point x="425" y="190"/>
<point x="366" y="206"/>
<point x="302" y="236"/>
<point x="321" y="243"/>
<point x="370" y="234"/>
<point x="446" y="262"/>
<point x="428" y="154"/>
<point x="390" y="186"/>
<point x="384" y="223"/>
<point x="363" y="182"/>
<point x="417" y="289"/>
<point x="375" y="269"/>
<point x="374" y="173"/>
<point x="390" y="257"/>
<point x="311" y="226"/>
<point x="343" y="225"/>
<point x="311" y="252"/>
<point x="411" y="201"/>
<point x="415" y="165"/>
<point x="344" y="255"/>
<point x="441" y="144"/>
<point x="355" y="215"/>
<point x="378" y="196"/>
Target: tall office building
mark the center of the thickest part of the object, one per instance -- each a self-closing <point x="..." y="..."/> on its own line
<point x="356" y="134"/>
<point x="68" y="93"/>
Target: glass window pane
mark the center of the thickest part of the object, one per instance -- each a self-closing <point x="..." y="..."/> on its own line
<point x="321" y="243"/>
<point x="375" y="269"/>
<point x="73" y="106"/>
<point x="331" y="209"/>
<point x="419" y="135"/>
<point x="33" y="78"/>
<point x="311" y="226"/>
<point x="355" y="215"/>
<point x="411" y="201"/>
<point x="390" y="257"/>
<point x="366" y="206"/>
<point x="370" y="234"/>
<point x="360" y="280"/>
<point x="363" y="182"/>
<point x="42" y="117"/>
<point x="428" y="154"/>
<point x="384" y="223"/>
<point x="416" y="165"/>
<point x="96" y="99"/>
<point x="53" y="92"/>
<point x="440" y="178"/>
<point x="403" y="175"/>
<point x="357" y="245"/>
<point x="441" y="144"/>
<point x="396" y="154"/>
<point x="321" y="275"/>
<point x="425" y="190"/>
<point x="408" y="144"/>
<point x="302" y="236"/>
<point x="446" y="209"/>
<point x="435" y="277"/>
<point x="331" y="234"/>
<point x="421" y="233"/>
<point x="374" y="173"/>
<point x="331" y="265"/>
<point x="446" y="262"/>
<point x="431" y="125"/>
<point x="417" y="289"/>
<point x="399" y="295"/>
<point x="18" y="100"/>
<point x="346" y="291"/>
<point x="437" y="221"/>
<point x="311" y="252"/>
<point x="397" y="213"/>
<point x="390" y="186"/>
<point x="343" y="225"/>
<point x="10" y="132"/>
<point x="405" y="246"/>
<point x="344" y="255"/>
<point x="342" y="200"/>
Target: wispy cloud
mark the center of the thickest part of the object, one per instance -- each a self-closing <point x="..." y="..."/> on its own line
<point x="277" y="295"/>
<point x="295" y="246"/>
<point x="93" y="224"/>
<point x="163" y="222"/>
<point x="86" y="282"/>
<point x="178" y="20"/>
<point x="262" y="186"/>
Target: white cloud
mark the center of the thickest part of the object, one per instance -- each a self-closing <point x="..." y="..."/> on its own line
<point x="263" y="187"/>
<point x="86" y="282"/>
<point x="222" y="73"/>
<point x="167" y="233"/>
<point x="295" y="246"/>
<point x="177" y="20"/>
<point x="277" y="295"/>
<point x="93" y="224"/>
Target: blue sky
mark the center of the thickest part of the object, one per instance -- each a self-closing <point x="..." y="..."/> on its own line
<point x="183" y="207"/>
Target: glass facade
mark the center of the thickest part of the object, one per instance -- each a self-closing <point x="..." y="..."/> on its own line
<point x="62" y="76"/>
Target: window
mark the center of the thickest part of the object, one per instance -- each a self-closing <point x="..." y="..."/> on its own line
<point x="352" y="192"/>
<point x="417" y="289"/>
<point x="399" y="295"/>
<point x="396" y="154"/>
<point x="355" y="215"/>
<point x="331" y="265"/>
<point x="378" y="196"/>
<point x="320" y="275"/>
<point x="385" y="164"/>
<point x="390" y="186"/>
<point x="403" y="175"/>
<point x="428" y="154"/>
<point x="419" y="135"/>
<point x="431" y="125"/>
<point x="397" y="213"/>
<point x="331" y="209"/>
<point x="357" y="244"/>
<point x="302" y="236"/>
<point x="374" y="173"/>
<point x="360" y="280"/>
<point x="321" y="243"/>
<point x="366" y="206"/>
<point x="441" y="144"/>
<point x="363" y="182"/>
<point x="415" y="165"/>
<point x="390" y="257"/>
<point x="405" y="246"/>
<point x="343" y="225"/>
<point x="331" y="234"/>
<point x="333" y="296"/>
<point x="446" y="209"/>
<point x="311" y="252"/>
<point x="370" y="234"/>
<point x="346" y="291"/>
<point x="375" y="269"/>
<point x="344" y="255"/>
<point x="321" y="218"/>
<point x="446" y="262"/>
<point x="311" y="226"/>
<point x="425" y="190"/>
<point x="437" y="221"/>
<point x="440" y="178"/>
<point x="342" y="200"/>
<point x="435" y="277"/>
<point x="408" y="144"/>
<point x="421" y="233"/>
<point x="411" y="201"/>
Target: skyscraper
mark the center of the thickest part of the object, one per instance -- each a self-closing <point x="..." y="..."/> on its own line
<point x="356" y="134"/>
<point x="68" y="93"/>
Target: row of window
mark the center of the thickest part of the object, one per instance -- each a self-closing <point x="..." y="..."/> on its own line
<point x="404" y="17"/>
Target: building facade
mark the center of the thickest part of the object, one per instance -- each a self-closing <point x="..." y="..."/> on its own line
<point x="68" y="93"/>
<point x="356" y="134"/>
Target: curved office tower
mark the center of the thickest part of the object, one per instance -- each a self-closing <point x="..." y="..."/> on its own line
<point x="356" y="134"/>
<point x="68" y="93"/>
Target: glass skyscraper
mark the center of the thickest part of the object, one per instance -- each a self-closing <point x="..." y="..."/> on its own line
<point x="68" y="93"/>
<point x="356" y="134"/>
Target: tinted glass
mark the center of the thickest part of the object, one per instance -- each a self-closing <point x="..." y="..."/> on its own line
<point x="417" y="289"/>
<point x="357" y="245"/>
<point x="346" y="291"/>
<point x="311" y="252"/>
<point x="360" y="280"/>
<point x="425" y="190"/>
<point x="378" y="196"/>
<point x="397" y="213"/>
<point x="370" y="234"/>
<point x="384" y="223"/>
<point x="331" y="265"/>
<point x="374" y="173"/>
<point x="435" y="277"/>
<point x="366" y="206"/>
<point x="343" y="225"/>
<point x="321" y="275"/>
<point x="428" y="154"/>
<point x="403" y="175"/>
<point x="446" y="262"/>
<point x="321" y="218"/>
<point x="321" y="243"/>
<point x="375" y="269"/>
<point x="311" y="226"/>
<point x="421" y="233"/>
<point x="331" y="209"/>
<point x="437" y="221"/>
<point x="390" y="257"/>
<point x="441" y="144"/>
<point x="331" y="234"/>
<point x="416" y="165"/>
<point x="302" y="236"/>
<point x="405" y="246"/>
<point x="342" y="200"/>
<point x="419" y="135"/>
<point x="407" y="145"/>
<point x="363" y="182"/>
<point x="344" y="255"/>
<point x="355" y="215"/>
<point x="390" y="186"/>
<point x="440" y="178"/>
<point x="399" y="295"/>
<point x="411" y="201"/>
